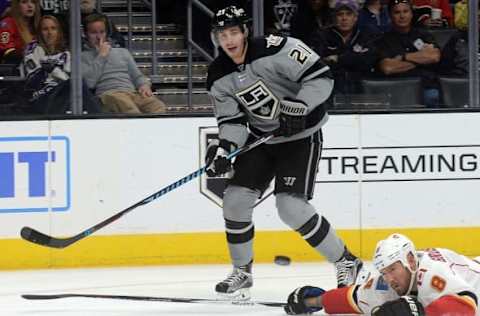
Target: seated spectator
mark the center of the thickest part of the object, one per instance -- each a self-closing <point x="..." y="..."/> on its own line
<point x="425" y="16"/>
<point x="47" y="70"/>
<point x="113" y="74"/>
<point x="407" y="51"/>
<point x="60" y="10"/>
<point x="311" y="18"/>
<point x="116" y="38"/>
<point x="17" y="30"/>
<point x="348" y="51"/>
<point x="373" y="18"/>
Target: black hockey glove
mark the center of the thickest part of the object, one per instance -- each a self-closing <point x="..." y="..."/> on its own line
<point x="296" y="300"/>
<point x="216" y="161"/>
<point x="293" y="115"/>
<point x="404" y="306"/>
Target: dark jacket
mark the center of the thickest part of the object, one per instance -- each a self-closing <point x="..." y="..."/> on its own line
<point x="368" y="22"/>
<point x="356" y="57"/>
<point x="455" y="56"/>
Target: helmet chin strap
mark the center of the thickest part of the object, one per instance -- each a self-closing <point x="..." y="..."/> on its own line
<point x="413" y="274"/>
<point x="245" y="46"/>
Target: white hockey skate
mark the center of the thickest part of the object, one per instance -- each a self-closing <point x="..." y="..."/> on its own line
<point x="348" y="268"/>
<point x="236" y="286"/>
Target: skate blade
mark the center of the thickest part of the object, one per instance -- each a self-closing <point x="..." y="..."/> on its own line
<point x="239" y="296"/>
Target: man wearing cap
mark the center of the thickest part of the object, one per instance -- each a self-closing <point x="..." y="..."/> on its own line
<point x="407" y="51"/>
<point x="348" y="51"/>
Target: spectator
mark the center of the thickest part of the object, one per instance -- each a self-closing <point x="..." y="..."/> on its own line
<point x="116" y="38"/>
<point x="373" y="18"/>
<point x="47" y="69"/>
<point x="312" y="17"/>
<point x="60" y="10"/>
<point x="425" y="16"/>
<point x="113" y="74"/>
<point x="348" y="51"/>
<point x="17" y="30"/>
<point x="407" y="51"/>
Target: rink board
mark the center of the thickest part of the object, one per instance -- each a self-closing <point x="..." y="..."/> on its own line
<point x="413" y="173"/>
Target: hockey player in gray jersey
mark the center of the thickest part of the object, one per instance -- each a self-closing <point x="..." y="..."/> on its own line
<point x="269" y="85"/>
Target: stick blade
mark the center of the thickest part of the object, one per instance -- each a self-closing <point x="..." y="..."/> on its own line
<point x="39" y="297"/>
<point x="36" y="237"/>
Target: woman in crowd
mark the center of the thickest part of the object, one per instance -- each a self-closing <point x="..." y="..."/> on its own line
<point x="47" y="70"/>
<point x="17" y="30"/>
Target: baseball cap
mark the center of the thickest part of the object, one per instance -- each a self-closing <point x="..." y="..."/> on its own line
<point x="348" y="4"/>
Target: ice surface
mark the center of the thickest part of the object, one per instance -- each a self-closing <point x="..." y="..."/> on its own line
<point x="271" y="283"/>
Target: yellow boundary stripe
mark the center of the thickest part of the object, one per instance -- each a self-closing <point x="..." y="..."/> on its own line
<point x="207" y="248"/>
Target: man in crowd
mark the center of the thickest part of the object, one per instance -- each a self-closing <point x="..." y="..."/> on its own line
<point x="113" y="74"/>
<point x="407" y="51"/>
<point x="348" y="51"/>
<point x="88" y="7"/>
<point x="434" y="282"/>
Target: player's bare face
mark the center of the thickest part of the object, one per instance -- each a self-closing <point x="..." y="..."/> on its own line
<point x="402" y="17"/>
<point x="49" y="31"/>
<point x="96" y="31"/>
<point x="346" y="20"/>
<point x="27" y="8"/>
<point x="232" y="41"/>
<point x="398" y="277"/>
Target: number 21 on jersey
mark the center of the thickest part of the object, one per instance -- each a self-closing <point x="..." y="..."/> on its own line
<point x="300" y="53"/>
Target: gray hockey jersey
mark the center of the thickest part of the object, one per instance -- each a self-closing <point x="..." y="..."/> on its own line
<point x="247" y="96"/>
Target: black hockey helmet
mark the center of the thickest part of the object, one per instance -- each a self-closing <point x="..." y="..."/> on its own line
<point x="228" y="17"/>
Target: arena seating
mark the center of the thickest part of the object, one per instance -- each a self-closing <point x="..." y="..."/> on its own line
<point x="171" y="83"/>
<point x="454" y="91"/>
<point x="400" y="93"/>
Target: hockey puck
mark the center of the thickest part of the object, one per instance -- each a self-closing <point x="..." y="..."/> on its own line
<point x="282" y="260"/>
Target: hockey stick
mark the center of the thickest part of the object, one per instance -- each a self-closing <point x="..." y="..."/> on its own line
<point x="34" y="236"/>
<point x="152" y="298"/>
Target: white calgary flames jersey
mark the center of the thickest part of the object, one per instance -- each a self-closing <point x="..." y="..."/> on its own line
<point x="440" y="272"/>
